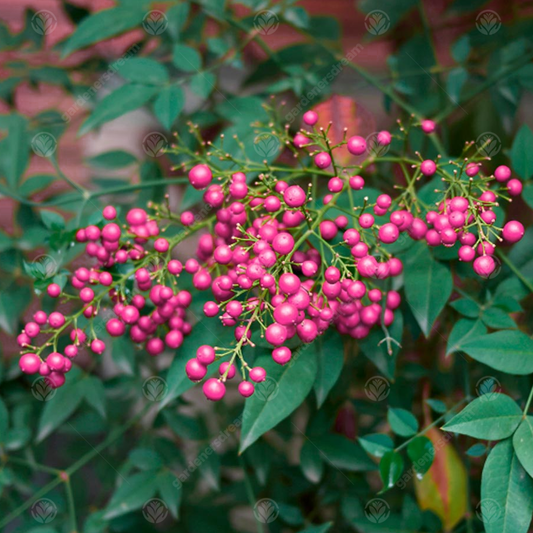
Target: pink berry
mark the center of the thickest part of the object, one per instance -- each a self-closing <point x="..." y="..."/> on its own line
<point x="513" y="231"/>
<point x="130" y="314"/>
<point x="366" y="220"/>
<point x="283" y="243"/>
<point x="502" y="173"/>
<point x="484" y="266"/>
<point x="86" y="295"/>
<point x="53" y="290"/>
<point x="32" y="329"/>
<point x="55" y="379"/>
<point x="310" y="118"/>
<point x="514" y="186"/>
<point x="214" y="390"/>
<point x="224" y="366"/>
<point x="356" y="145"/>
<point x="200" y="176"/>
<point x="322" y="160"/>
<point x="281" y="355"/>
<point x="384" y="138"/>
<point x="195" y="370"/>
<point x="301" y="140"/>
<point x="55" y="361"/>
<point x="98" y="346"/>
<point x="111" y="232"/>
<point x="285" y="314"/>
<point x="246" y="389"/>
<point x="258" y="374"/>
<point x="466" y="253"/>
<point x="328" y="230"/>
<point x="294" y="196"/>
<point x="211" y="309"/>
<point x="428" y="126"/>
<point x="115" y="327"/>
<point x="109" y="212"/>
<point x="29" y="363"/>
<point x="289" y="283"/>
<point x="161" y="245"/>
<point x="174" y="267"/>
<point x="276" y="334"/>
<point x="155" y="346"/>
<point x="389" y="233"/>
<point x="56" y="320"/>
<point x="356" y="183"/>
<point x="428" y="167"/>
<point x="40" y="317"/>
<point x="205" y="354"/>
<point x="71" y="350"/>
<point x="472" y="169"/>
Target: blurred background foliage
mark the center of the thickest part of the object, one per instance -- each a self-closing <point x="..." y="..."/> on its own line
<point x="90" y="99"/>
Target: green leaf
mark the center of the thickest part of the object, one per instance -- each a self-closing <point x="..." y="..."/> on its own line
<point x="168" y="105"/>
<point x="329" y="351"/>
<point x="497" y="319"/>
<point x="297" y="16"/>
<point x="186" y="58"/>
<point x="52" y="220"/>
<point x="170" y="490"/>
<point x="103" y="25"/>
<point x="132" y="494"/>
<point x="4" y="420"/>
<point x="322" y="528"/>
<point x="209" y="467"/>
<point x="94" y="393"/>
<point x="390" y="469"/>
<point x="145" y="459"/>
<point x="455" y="82"/>
<point x="202" y="84"/>
<point x="143" y="70"/>
<point x="460" y="49"/>
<point x="522" y="153"/>
<point x="506" y="489"/>
<point x="34" y="184"/>
<point x="61" y="405"/>
<point x="509" y="351"/>
<point x="466" y="307"/>
<point x="177" y="17"/>
<point x="402" y="422"/>
<point x="428" y="286"/>
<point x="285" y="388"/>
<point x="477" y="450"/>
<point x="14" y="150"/>
<point x="376" y="444"/>
<point x="112" y="159"/>
<point x="421" y="452"/>
<point x="437" y="405"/>
<point x="523" y="444"/>
<point x="492" y="418"/>
<point x="462" y="332"/>
<point x="119" y="102"/>
<point x="343" y="453"/>
<point x="311" y="462"/>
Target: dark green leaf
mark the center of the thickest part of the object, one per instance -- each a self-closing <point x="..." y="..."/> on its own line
<point x="329" y="351"/>
<point x="508" y="351"/>
<point x="113" y="159"/>
<point x="506" y="503"/>
<point x="186" y="58"/>
<point x="168" y="105"/>
<point x="202" y="84"/>
<point x="376" y="444"/>
<point x="285" y="388"/>
<point x="421" y="452"/>
<point x="522" y="153"/>
<point x="342" y="453"/>
<point x="437" y="405"/>
<point x="311" y="462"/>
<point x="462" y="331"/>
<point x="390" y="469"/>
<point x="428" y="286"/>
<point x="490" y="417"/>
<point x="143" y="70"/>
<point x="523" y="444"/>
<point x="477" y="450"/>
<point x="169" y="488"/>
<point x="402" y="422"/>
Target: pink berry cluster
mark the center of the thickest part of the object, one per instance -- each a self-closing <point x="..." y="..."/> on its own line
<point x="280" y="258"/>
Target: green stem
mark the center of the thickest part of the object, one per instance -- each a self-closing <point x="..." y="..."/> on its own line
<point x="250" y="493"/>
<point x="528" y="403"/>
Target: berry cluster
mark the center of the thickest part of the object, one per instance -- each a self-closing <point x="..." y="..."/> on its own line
<point x="277" y="264"/>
